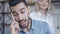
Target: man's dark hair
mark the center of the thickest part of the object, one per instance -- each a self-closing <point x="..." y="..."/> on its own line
<point x="15" y="2"/>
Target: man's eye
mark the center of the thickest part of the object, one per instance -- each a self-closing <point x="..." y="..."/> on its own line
<point x="15" y="14"/>
<point x="22" y="12"/>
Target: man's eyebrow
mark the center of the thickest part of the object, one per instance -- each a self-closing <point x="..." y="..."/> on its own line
<point x="22" y="8"/>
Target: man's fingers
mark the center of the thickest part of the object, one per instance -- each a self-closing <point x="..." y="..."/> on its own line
<point x="15" y="25"/>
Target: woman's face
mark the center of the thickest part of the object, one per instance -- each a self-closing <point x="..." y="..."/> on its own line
<point x="43" y="4"/>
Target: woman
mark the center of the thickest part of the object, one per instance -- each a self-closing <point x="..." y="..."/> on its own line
<point x="42" y="12"/>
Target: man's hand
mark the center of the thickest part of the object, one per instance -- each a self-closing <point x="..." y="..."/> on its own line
<point x="14" y="27"/>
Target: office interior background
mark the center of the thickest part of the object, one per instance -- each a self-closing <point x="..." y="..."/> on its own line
<point x="6" y="19"/>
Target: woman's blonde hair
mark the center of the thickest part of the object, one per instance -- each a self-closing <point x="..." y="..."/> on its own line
<point x="49" y="6"/>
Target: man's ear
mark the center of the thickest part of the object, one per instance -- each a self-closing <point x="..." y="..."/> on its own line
<point x="29" y="9"/>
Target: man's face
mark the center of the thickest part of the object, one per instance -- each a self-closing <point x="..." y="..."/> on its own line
<point x="21" y="14"/>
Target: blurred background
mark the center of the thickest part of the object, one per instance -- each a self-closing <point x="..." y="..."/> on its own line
<point x="6" y="19"/>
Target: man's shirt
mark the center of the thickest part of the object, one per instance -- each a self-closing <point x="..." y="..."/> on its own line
<point x="38" y="27"/>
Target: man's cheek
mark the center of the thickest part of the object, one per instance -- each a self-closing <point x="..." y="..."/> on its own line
<point x="16" y="18"/>
<point x="26" y="15"/>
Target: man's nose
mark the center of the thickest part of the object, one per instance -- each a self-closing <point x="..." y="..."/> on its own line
<point x="20" y="16"/>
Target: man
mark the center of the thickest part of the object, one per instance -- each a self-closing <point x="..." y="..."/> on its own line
<point x="22" y="23"/>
